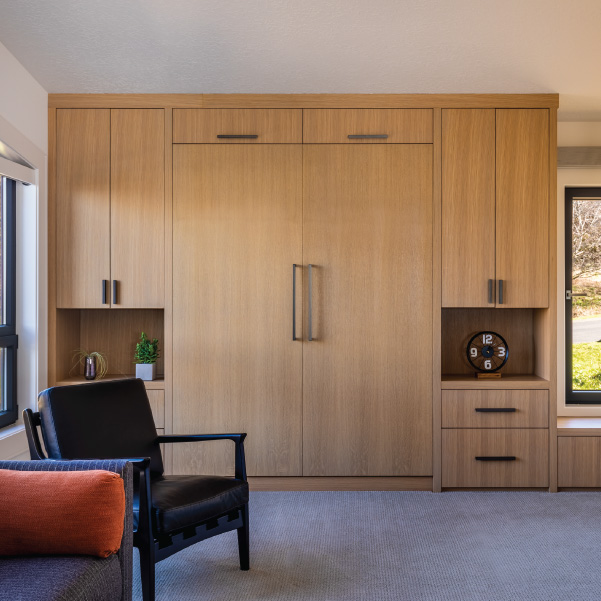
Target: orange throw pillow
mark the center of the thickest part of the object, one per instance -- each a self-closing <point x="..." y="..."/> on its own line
<point x="61" y="513"/>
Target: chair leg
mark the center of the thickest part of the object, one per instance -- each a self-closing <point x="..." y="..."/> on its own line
<point x="147" y="572"/>
<point x="243" y="548"/>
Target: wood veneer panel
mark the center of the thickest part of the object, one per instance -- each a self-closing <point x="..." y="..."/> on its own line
<point x="138" y="207"/>
<point x="237" y="232"/>
<point x="459" y="408"/>
<point x="202" y="126"/>
<point x="156" y="398"/>
<point x="333" y="126"/>
<point x="460" y="469"/>
<point x="522" y="210"/>
<point x="82" y="206"/>
<point x="367" y="375"/>
<point x="468" y="207"/>
<point x="579" y="461"/>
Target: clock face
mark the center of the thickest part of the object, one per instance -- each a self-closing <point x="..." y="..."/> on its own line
<point x="487" y="351"/>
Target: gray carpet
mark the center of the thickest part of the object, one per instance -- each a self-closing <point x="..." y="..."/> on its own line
<point x="348" y="546"/>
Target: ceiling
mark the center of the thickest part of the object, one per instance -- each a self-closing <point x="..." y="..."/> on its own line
<point x="261" y="46"/>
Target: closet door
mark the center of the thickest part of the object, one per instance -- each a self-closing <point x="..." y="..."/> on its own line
<point x="138" y="207"/>
<point x="367" y="373"/>
<point x="523" y="207"/>
<point x="83" y="207"/>
<point x="237" y="233"/>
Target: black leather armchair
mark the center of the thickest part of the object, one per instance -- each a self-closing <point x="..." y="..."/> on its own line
<point x="110" y="420"/>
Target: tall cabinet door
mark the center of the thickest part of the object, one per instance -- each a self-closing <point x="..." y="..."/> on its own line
<point x="367" y="373"/>
<point x="83" y="205"/>
<point x="138" y="207"/>
<point x="522" y="216"/>
<point x="468" y="207"/>
<point x="237" y="233"/>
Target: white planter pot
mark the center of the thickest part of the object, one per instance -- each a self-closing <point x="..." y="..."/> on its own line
<point x="146" y="371"/>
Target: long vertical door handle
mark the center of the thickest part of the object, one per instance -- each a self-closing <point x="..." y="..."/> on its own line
<point x="490" y="292"/>
<point x="294" y="301"/>
<point x="104" y="283"/>
<point x="500" y="292"/>
<point x="114" y="292"/>
<point x="310" y="332"/>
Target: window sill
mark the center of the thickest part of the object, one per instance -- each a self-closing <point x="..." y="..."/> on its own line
<point x="13" y="441"/>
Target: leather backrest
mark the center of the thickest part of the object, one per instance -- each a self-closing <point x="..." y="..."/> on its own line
<point x="100" y="420"/>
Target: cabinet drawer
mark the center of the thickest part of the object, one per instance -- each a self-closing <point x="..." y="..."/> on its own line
<point x="157" y="406"/>
<point x="579" y="461"/>
<point x="477" y="408"/>
<point x="255" y="126"/>
<point x="460" y="468"/>
<point x="400" y="126"/>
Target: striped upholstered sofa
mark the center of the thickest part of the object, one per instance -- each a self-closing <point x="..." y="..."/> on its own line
<point x="72" y="577"/>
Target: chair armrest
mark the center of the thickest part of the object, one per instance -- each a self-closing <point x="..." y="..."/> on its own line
<point x="240" y="461"/>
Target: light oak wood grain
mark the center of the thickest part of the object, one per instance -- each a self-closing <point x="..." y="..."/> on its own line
<point x="468" y="207"/>
<point x="460" y="468"/>
<point x="507" y="382"/>
<point x="156" y="384"/>
<point x="67" y="340"/>
<point x="579" y="461"/>
<point x="52" y="329"/>
<point x="272" y="126"/>
<point x="522" y="209"/>
<point x="436" y="301"/>
<point x="304" y="100"/>
<point x="333" y="126"/>
<point x="82" y="207"/>
<point x="459" y="325"/>
<point x="237" y="213"/>
<point x="138" y="207"/>
<point x="339" y="484"/>
<point x="459" y="408"/>
<point x="156" y="399"/>
<point x="367" y="375"/>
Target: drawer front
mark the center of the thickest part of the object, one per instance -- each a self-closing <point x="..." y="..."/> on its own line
<point x="399" y="126"/>
<point x="461" y="469"/>
<point x="157" y="406"/>
<point x="495" y="408"/>
<point x="239" y="126"/>
<point x="579" y="461"/>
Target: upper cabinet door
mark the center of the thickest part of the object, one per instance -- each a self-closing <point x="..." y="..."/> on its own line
<point x="522" y="217"/>
<point x="82" y="207"/>
<point x="138" y="207"/>
<point x="468" y="207"/>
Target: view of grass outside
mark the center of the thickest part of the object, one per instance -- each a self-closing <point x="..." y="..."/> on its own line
<point x="586" y="288"/>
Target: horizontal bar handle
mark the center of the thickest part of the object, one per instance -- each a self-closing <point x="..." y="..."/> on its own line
<point x="497" y="458"/>
<point x="367" y="136"/>
<point x="496" y="409"/>
<point x="238" y="136"/>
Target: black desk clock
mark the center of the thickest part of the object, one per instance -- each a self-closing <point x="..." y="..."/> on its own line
<point x="487" y="351"/>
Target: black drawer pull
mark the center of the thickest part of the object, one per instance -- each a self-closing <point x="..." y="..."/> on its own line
<point x="367" y="136"/>
<point x="497" y="458"/>
<point x="496" y="409"/>
<point x="238" y="136"/>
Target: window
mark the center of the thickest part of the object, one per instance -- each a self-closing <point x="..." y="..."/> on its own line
<point x="583" y="296"/>
<point x="8" y="337"/>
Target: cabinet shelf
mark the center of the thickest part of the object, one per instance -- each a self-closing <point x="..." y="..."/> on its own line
<point x="158" y="384"/>
<point x="463" y="382"/>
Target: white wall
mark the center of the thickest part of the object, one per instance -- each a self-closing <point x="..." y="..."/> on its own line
<point x="24" y="127"/>
<point x="571" y="134"/>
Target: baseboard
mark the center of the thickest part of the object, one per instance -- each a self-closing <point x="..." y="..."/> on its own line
<point x="310" y="483"/>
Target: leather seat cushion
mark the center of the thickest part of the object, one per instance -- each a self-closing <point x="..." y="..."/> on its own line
<point x="180" y="501"/>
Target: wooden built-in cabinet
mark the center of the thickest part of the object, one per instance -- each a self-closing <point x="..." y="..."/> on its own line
<point x="110" y="208"/>
<point x="495" y="208"/>
<point x="313" y="266"/>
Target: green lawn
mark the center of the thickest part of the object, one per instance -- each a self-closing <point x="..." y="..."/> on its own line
<point x="587" y="366"/>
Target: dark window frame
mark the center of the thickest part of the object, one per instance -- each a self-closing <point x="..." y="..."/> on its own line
<point x="8" y="335"/>
<point x="574" y="397"/>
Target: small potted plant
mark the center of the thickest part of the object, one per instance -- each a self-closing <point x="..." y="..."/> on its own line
<point x="146" y="355"/>
<point x="94" y="364"/>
